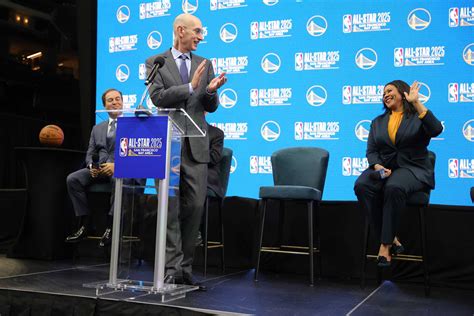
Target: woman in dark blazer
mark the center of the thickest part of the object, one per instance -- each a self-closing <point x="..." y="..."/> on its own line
<point x="398" y="162"/>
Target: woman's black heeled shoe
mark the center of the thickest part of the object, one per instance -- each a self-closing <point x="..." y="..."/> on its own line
<point x="396" y="250"/>
<point x="382" y="262"/>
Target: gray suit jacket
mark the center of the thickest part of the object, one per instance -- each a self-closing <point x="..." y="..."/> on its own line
<point x="98" y="144"/>
<point x="168" y="91"/>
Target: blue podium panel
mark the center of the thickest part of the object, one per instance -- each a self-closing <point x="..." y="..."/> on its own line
<point x="140" y="149"/>
<point x="311" y="73"/>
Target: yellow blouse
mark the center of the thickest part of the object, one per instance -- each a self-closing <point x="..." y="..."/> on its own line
<point x="393" y="124"/>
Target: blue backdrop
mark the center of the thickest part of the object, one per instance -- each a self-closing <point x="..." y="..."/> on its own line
<point x="310" y="73"/>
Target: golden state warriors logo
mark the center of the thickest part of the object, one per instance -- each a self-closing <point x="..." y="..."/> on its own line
<point x="362" y="129"/>
<point x="316" y="25"/>
<point x="154" y="39"/>
<point x="228" y="98"/>
<point x="366" y="58"/>
<point x="270" y="63"/>
<point x="468" y="54"/>
<point x="270" y="131"/>
<point x="122" y="73"/>
<point x="316" y="95"/>
<point x="123" y="147"/>
<point x="270" y="2"/>
<point x="424" y="93"/>
<point x="419" y="19"/>
<point x="123" y="14"/>
<point x="189" y="6"/>
<point x="233" y="165"/>
<point x="468" y="130"/>
<point x="228" y="32"/>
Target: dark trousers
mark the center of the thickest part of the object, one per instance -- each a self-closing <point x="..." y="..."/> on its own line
<point x="77" y="183"/>
<point x="383" y="199"/>
<point x="184" y="221"/>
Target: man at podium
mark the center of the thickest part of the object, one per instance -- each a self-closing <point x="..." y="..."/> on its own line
<point x="186" y="81"/>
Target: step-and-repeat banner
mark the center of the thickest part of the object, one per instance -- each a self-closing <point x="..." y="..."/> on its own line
<point x="310" y="73"/>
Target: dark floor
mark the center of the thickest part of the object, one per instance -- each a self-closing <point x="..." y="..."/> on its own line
<point x="237" y="293"/>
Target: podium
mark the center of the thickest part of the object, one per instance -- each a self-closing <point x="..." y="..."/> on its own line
<point x="147" y="145"/>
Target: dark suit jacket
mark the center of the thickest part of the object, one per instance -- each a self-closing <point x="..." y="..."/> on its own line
<point x="216" y="144"/>
<point x="168" y="91"/>
<point x="98" y="143"/>
<point x="410" y="148"/>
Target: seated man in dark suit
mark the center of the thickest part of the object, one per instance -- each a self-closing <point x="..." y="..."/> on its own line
<point x="99" y="168"/>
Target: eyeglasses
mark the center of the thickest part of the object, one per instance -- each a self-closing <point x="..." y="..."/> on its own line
<point x="197" y="30"/>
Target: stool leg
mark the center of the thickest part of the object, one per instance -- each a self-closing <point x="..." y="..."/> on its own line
<point x="204" y="233"/>
<point x="221" y="219"/>
<point x="311" y="246"/>
<point x="365" y="244"/>
<point x="424" y="251"/>
<point x="259" y="246"/>
<point x="318" y="242"/>
<point x="281" y="221"/>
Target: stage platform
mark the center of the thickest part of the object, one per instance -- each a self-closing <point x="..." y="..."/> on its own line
<point x="34" y="287"/>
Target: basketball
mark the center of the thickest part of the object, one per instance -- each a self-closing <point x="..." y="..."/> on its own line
<point x="51" y="135"/>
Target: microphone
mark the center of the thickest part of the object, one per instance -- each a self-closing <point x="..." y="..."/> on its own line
<point x="95" y="161"/>
<point x="377" y="175"/>
<point x="157" y="64"/>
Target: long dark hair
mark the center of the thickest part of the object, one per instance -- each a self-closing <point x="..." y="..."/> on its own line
<point x="401" y="86"/>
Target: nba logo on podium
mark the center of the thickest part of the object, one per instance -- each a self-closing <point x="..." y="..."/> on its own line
<point x="123" y="147"/>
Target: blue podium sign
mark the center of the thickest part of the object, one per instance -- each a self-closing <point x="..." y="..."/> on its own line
<point x="140" y="147"/>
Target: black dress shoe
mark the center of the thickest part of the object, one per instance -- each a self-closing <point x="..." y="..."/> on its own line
<point x="106" y="238"/>
<point x="79" y="235"/>
<point x="190" y="280"/>
<point x="397" y="250"/>
<point x="382" y="262"/>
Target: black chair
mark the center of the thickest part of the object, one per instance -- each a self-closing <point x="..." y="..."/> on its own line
<point x="421" y="201"/>
<point x="224" y="172"/>
<point x="299" y="173"/>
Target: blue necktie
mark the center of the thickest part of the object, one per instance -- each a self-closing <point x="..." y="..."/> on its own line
<point x="183" y="69"/>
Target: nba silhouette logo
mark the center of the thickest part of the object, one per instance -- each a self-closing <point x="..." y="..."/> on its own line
<point x="254" y="30"/>
<point x="253" y="164"/>
<point x="214" y="64"/>
<point x="253" y="97"/>
<point x="453" y="168"/>
<point x="298" y="61"/>
<point x="346" y="95"/>
<point x="347" y="23"/>
<point x="142" y="11"/>
<point x="453" y="90"/>
<point x="141" y="71"/>
<point x="111" y="45"/>
<point x="346" y="166"/>
<point x="123" y="147"/>
<point x="298" y="130"/>
<point x="453" y="17"/>
<point x="213" y="5"/>
<point x="398" y="57"/>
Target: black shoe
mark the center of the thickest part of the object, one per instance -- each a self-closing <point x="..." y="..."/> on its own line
<point x="397" y="250"/>
<point x="382" y="262"/>
<point x="77" y="236"/>
<point x="106" y="238"/>
<point x="188" y="279"/>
